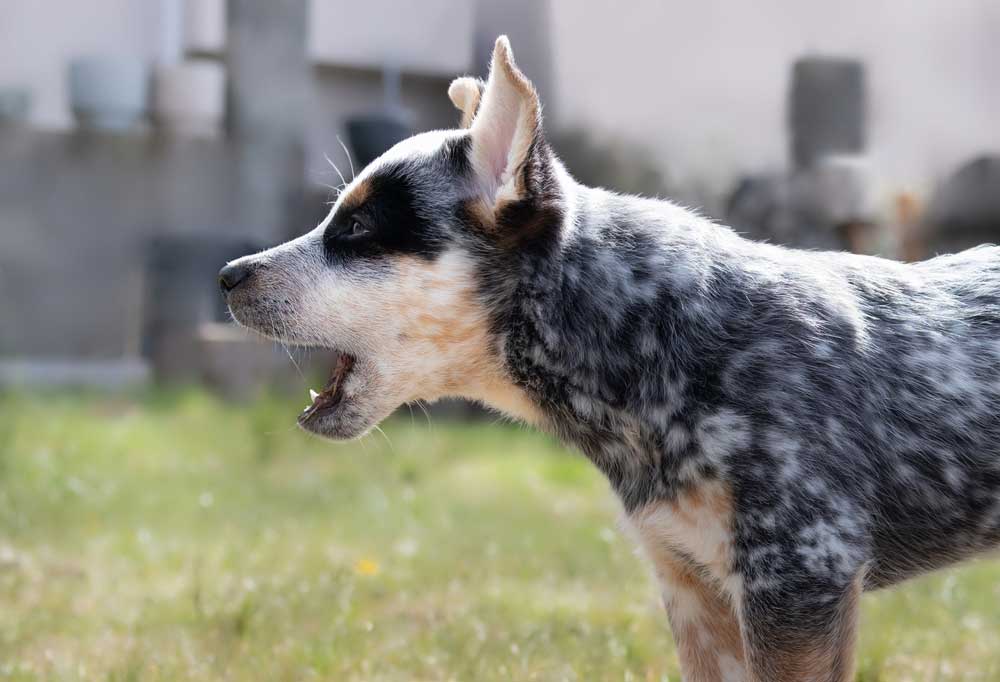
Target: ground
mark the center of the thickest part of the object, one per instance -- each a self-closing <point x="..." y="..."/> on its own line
<point x="180" y="537"/>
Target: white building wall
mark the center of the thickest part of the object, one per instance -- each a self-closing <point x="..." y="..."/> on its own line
<point x="704" y="83"/>
<point x="39" y="37"/>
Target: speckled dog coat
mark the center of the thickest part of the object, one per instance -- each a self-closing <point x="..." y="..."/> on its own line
<point x="785" y="429"/>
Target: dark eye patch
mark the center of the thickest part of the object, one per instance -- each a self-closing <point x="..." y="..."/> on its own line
<point x="387" y="207"/>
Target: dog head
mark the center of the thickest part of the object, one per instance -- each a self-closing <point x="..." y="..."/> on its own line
<point x="408" y="275"/>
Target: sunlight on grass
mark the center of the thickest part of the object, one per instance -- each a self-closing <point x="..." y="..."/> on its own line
<point x="175" y="537"/>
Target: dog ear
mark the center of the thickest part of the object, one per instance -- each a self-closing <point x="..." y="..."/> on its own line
<point x="506" y="128"/>
<point x="466" y="93"/>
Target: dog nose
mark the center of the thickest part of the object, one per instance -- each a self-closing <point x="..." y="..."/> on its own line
<point x="231" y="276"/>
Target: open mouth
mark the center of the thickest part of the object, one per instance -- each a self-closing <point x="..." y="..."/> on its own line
<point x="326" y="402"/>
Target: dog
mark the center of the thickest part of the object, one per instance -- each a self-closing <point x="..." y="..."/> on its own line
<point x="784" y="429"/>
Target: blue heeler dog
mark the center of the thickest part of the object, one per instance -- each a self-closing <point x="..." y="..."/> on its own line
<point x="785" y="429"/>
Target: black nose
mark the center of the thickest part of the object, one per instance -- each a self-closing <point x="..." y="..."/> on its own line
<point x="231" y="276"/>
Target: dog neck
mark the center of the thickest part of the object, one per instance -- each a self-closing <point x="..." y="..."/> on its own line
<point x="600" y="334"/>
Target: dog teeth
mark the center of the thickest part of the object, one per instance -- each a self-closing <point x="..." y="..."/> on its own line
<point x="313" y="394"/>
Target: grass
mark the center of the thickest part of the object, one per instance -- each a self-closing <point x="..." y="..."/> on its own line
<point x="177" y="537"/>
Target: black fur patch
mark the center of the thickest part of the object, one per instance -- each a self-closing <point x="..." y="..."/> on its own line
<point x="390" y="212"/>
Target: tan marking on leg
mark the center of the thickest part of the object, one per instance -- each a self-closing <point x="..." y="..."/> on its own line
<point x="704" y="625"/>
<point x="699" y="593"/>
<point x="696" y="522"/>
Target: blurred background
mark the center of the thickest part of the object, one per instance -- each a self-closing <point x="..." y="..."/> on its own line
<point x="160" y="517"/>
<point x="144" y="142"/>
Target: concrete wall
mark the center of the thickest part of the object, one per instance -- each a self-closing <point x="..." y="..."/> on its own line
<point x="430" y="37"/>
<point x="75" y="213"/>
<point x="337" y="93"/>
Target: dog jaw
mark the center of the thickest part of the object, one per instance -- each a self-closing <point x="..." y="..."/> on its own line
<point x="415" y="328"/>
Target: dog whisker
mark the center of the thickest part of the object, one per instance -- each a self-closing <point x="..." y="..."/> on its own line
<point x="330" y="161"/>
<point x="349" y="160"/>
<point x="420" y="404"/>
<point x="383" y="434"/>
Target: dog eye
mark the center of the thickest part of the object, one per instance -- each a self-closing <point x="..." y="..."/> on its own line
<point x="357" y="228"/>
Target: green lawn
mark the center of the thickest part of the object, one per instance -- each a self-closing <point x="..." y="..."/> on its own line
<point x="178" y="537"/>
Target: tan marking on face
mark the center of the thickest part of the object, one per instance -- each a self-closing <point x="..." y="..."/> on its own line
<point x="482" y="214"/>
<point x="357" y="193"/>
<point x="704" y="624"/>
<point x="445" y="331"/>
<point x="697" y="522"/>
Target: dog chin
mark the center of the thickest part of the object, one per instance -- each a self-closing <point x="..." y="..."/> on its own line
<point x="344" y="423"/>
<point x="347" y="407"/>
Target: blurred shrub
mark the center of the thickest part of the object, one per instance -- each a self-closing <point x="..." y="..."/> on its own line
<point x="611" y="163"/>
<point x="269" y="420"/>
<point x="7" y="429"/>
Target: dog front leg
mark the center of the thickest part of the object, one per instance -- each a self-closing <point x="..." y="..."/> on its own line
<point x="704" y="624"/>
<point x="801" y="636"/>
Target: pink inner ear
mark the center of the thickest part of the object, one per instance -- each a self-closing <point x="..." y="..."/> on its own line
<point x="496" y="129"/>
<point x="497" y="143"/>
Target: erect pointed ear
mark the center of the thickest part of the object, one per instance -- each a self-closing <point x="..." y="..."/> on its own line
<point x="506" y="127"/>
<point x="466" y="93"/>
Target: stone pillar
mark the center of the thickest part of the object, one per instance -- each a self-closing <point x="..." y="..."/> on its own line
<point x="831" y="184"/>
<point x="827" y="109"/>
<point x="268" y="74"/>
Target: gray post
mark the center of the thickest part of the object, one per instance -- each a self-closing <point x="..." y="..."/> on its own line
<point x="827" y="109"/>
<point x="268" y="81"/>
